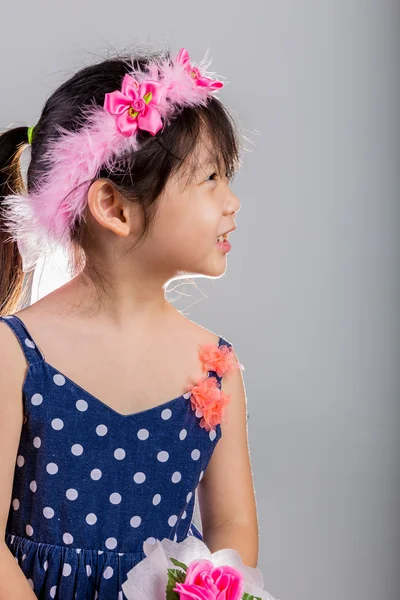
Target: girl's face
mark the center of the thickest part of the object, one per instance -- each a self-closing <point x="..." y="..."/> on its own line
<point x="183" y="235"/>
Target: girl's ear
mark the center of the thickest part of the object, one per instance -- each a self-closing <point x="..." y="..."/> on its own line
<point x="109" y="208"/>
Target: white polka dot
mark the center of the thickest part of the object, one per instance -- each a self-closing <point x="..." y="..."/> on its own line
<point x="53" y="590"/>
<point x="59" y="379"/>
<point x="184" y="514"/>
<point x="51" y="468"/>
<point x="67" y="569"/>
<point x="57" y="424"/>
<point x="29" y="343"/>
<point x="172" y="520"/>
<point x="139" y="477"/>
<point x="77" y="449"/>
<point x="195" y="454"/>
<point x="29" y="530"/>
<point x="175" y="537"/>
<point x="88" y="570"/>
<point x="23" y="557"/>
<point x="151" y="540"/>
<point x="111" y="543"/>
<point x="176" y="477"/>
<point x="187" y="395"/>
<point x="96" y="474"/>
<point x="71" y="494"/>
<point x="166" y="414"/>
<point x="163" y="456"/>
<point x="115" y="498"/>
<point x="212" y="435"/>
<point x="81" y="405"/>
<point x="198" y="413"/>
<point x="99" y="551"/>
<point x="108" y="572"/>
<point x="101" y="430"/>
<point x="78" y="550"/>
<point x="156" y="499"/>
<point x="91" y="519"/>
<point x="37" y="399"/>
<point x="135" y="521"/>
<point x="30" y="582"/>
<point x="182" y="434"/>
<point x="45" y="565"/>
<point x="188" y="497"/>
<point x="20" y="460"/>
<point x="119" y="453"/>
<point x="48" y="512"/>
<point x="15" y="504"/>
<point x="68" y="538"/>
<point x="37" y="442"/>
<point x="96" y="595"/>
<point x="120" y="596"/>
<point x="201" y="475"/>
<point x="143" y="434"/>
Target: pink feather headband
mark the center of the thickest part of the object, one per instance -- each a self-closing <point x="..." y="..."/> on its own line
<point x="41" y="221"/>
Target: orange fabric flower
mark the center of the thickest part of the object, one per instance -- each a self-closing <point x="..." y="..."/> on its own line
<point x="206" y="396"/>
<point x="208" y="400"/>
<point x="219" y="359"/>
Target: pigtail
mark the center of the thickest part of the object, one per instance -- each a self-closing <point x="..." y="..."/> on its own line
<point x="14" y="286"/>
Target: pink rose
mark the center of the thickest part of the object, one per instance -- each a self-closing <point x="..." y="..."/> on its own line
<point x="204" y="581"/>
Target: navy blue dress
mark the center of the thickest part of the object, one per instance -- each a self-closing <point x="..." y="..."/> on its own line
<point x="90" y="484"/>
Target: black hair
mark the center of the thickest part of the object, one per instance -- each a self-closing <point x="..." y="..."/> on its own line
<point x="140" y="176"/>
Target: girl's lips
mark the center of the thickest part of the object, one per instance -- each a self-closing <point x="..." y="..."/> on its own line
<point x="224" y="246"/>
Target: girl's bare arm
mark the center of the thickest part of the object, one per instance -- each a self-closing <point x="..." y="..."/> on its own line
<point x="13" y="583"/>
<point x="226" y="492"/>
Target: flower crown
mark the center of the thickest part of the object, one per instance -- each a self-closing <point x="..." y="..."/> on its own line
<point x="41" y="221"/>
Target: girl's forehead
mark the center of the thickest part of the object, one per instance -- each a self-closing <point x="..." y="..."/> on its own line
<point x="205" y="158"/>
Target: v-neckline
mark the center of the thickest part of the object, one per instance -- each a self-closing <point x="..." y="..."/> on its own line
<point x="97" y="400"/>
<point x="110" y="408"/>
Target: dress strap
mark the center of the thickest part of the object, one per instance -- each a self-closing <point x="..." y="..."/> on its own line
<point x="31" y="351"/>
<point x="223" y="342"/>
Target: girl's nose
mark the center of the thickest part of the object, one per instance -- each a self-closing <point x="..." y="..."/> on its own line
<point x="232" y="203"/>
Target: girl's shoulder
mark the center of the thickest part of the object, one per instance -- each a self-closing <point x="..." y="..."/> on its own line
<point x="202" y="335"/>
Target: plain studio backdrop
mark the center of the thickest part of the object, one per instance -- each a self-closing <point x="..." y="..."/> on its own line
<point x="311" y="296"/>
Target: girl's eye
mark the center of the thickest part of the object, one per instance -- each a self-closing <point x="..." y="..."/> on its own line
<point x="213" y="174"/>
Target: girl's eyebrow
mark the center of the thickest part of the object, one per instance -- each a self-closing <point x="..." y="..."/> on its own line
<point x="207" y="163"/>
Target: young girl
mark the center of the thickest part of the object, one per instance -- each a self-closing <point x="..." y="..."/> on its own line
<point x="124" y="400"/>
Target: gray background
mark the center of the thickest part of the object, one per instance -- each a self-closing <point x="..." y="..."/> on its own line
<point x="310" y="299"/>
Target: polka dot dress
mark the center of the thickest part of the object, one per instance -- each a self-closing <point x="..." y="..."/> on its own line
<point x="91" y="485"/>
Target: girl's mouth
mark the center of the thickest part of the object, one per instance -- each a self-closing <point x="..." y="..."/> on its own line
<point x="223" y="243"/>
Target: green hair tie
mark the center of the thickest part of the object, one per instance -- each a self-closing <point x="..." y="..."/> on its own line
<point x="30" y="134"/>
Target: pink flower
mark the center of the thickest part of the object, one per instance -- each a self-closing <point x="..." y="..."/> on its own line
<point x="135" y="106"/>
<point x="210" y="400"/>
<point x="183" y="57"/>
<point x="205" y="582"/>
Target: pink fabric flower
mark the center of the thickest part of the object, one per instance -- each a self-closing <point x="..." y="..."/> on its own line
<point x="135" y="106"/>
<point x="203" y="581"/>
<point x="183" y="57"/>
